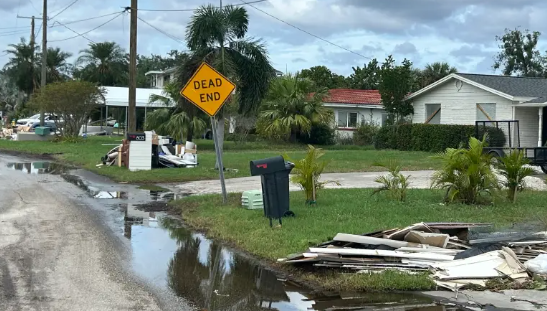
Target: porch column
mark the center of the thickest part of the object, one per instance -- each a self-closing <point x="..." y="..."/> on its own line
<point x="145" y="115"/>
<point x="540" y="127"/>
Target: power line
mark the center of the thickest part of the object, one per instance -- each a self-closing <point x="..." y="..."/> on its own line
<point x="163" y="32"/>
<point x="20" y="27"/>
<point x="305" y="31"/>
<point x="13" y="32"/>
<point x="66" y="8"/>
<point x="74" y="31"/>
<point x="38" y="31"/>
<point x="191" y="10"/>
<point x="35" y="9"/>
<point x="84" y="33"/>
<point x="86" y="19"/>
<point x="6" y="34"/>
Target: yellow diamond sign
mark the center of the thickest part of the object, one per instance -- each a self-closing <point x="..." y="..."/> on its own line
<point x="208" y="89"/>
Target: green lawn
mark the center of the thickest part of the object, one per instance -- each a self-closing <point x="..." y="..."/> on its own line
<point x="349" y="211"/>
<point x="236" y="156"/>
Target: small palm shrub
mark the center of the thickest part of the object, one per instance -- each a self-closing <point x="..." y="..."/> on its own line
<point x="512" y="167"/>
<point x="394" y="183"/>
<point x="466" y="174"/>
<point x="307" y="172"/>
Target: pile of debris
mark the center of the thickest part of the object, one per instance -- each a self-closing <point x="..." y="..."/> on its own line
<point x="6" y="133"/>
<point x="165" y="154"/>
<point x="455" y="255"/>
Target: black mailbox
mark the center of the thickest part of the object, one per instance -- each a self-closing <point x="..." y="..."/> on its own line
<point x="274" y="173"/>
<point x="267" y="166"/>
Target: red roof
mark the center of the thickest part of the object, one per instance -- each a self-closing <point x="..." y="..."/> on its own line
<point x="349" y="96"/>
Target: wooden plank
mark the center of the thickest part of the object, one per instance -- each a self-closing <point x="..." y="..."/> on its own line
<point x="432" y="115"/>
<point x="430" y="250"/>
<point x="484" y="112"/>
<point x="369" y="240"/>
<point x="383" y="253"/>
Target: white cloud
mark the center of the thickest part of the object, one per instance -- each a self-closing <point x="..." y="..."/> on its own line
<point x="461" y="33"/>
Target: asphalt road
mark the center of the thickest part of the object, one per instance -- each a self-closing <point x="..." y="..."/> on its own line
<point x="56" y="253"/>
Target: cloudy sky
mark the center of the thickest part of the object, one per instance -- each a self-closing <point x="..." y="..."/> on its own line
<point x="459" y="32"/>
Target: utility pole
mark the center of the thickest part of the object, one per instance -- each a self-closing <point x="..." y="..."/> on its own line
<point x="132" y="122"/>
<point x="44" y="56"/>
<point x="33" y="43"/>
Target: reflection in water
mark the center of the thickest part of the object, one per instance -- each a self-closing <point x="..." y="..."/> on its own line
<point x="213" y="278"/>
<point x="39" y="167"/>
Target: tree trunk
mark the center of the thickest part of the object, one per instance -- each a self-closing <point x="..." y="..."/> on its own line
<point x="220" y="134"/>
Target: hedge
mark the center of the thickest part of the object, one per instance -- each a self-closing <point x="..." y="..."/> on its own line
<point x="433" y="137"/>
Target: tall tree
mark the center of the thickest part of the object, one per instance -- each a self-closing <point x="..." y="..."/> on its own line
<point x="434" y="72"/>
<point x="366" y="78"/>
<point x="58" y="67"/>
<point x="323" y="77"/>
<point x="10" y="96"/>
<point x="519" y="54"/>
<point x="104" y="63"/>
<point x="396" y="82"/>
<point x="20" y="67"/>
<point x="289" y="109"/>
<point x="217" y="36"/>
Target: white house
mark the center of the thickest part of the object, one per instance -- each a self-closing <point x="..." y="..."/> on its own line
<point x="466" y="98"/>
<point x="353" y="107"/>
<point x="160" y="78"/>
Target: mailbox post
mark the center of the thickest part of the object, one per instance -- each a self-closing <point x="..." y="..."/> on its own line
<point x="274" y="174"/>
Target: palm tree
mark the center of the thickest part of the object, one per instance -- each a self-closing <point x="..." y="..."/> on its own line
<point x="58" y="68"/>
<point x="436" y="71"/>
<point x="104" y="63"/>
<point x="217" y="36"/>
<point x="290" y="107"/>
<point x="173" y="121"/>
<point x="20" y="67"/>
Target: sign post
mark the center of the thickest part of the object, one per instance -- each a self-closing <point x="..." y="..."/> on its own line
<point x="209" y="90"/>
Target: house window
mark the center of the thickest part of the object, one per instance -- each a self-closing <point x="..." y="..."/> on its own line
<point x="432" y="113"/>
<point x="486" y="112"/>
<point x="347" y="119"/>
<point x="166" y="79"/>
<point x="385" y="118"/>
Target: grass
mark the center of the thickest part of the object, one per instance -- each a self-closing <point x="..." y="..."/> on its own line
<point x="87" y="154"/>
<point x="351" y="211"/>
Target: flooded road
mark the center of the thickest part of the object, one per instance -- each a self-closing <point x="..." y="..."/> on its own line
<point x="163" y="265"/>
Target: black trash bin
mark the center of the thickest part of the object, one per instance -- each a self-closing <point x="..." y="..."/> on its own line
<point x="274" y="173"/>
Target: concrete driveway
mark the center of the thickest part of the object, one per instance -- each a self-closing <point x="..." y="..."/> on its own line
<point x="418" y="180"/>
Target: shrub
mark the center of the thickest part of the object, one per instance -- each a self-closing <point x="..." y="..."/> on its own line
<point x="512" y="167"/>
<point x="343" y="140"/>
<point x="320" y="134"/>
<point x="395" y="183"/>
<point x="433" y="137"/>
<point x="365" y="134"/>
<point x="307" y="172"/>
<point x="466" y="174"/>
<point x="71" y="101"/>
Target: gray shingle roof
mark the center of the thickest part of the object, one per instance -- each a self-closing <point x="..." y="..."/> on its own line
<point x="514" y="86"/>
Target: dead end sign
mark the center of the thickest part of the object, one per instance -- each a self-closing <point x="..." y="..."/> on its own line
<point x="208" y="89"/>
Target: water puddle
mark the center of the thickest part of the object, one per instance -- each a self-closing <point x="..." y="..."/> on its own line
<point x="213" y="277"/>
<point x="40" y="167"/>
<point x="156" y="197"/>
<point x="203" y="272"/>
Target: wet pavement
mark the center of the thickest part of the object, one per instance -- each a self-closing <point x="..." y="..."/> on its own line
<point x="183" y="268"/>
